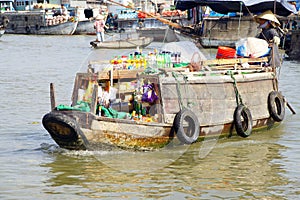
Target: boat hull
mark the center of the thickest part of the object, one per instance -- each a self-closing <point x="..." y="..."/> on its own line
<point x="77" y="130"/>
<point x="159" y="34"/>
<point x="123" y="44"/>
<point x="33" y="22"/>
<point x="85" y="27"/>
<point x="107" y="134"/>
<point x="65" y="28"/>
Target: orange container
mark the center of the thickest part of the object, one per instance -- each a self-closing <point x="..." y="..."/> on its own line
<point x="225" y="52"/>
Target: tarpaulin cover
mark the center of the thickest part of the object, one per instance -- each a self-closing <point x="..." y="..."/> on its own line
<point x="283" y="8"/>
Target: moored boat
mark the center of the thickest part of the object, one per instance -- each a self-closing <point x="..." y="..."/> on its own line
<point x="144" y="105"/>
<point x="229" y="20"/>
<point x="123" y="43"/>
<point x="35" y="22"/>
<point x="294" y="50"/>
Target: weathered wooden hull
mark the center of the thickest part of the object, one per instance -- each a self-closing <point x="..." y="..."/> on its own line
<point x="123" y="44"/>
<point x="213" y="99"/>
<point x="65" y="28"/>
<point x="85" y="28"/>
<point x="82" y="130"/>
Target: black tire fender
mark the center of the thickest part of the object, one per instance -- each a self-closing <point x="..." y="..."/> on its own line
<point x="186" y="126"/>
<point x="13" y="26"/>
<point x="243" y="121"/>
<point x="27" y="29"/>
<point x="37" y="27"/>
<point x="5" y="22"/>
<point x="61" y="127"/>
<point x="276" y="106"/>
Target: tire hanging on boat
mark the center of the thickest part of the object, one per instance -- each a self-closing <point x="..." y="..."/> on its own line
<point x="37" y="27"/>
<point x="243" y="121"/>
<point x="186" y="126"/>
<point x="5" y="22"/>
<point x="64" y="130"/>
<point x="27" y="29"/>
<point x="276" y="106"/>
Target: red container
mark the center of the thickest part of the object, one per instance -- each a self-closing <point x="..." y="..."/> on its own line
<point x="225" y="52"/>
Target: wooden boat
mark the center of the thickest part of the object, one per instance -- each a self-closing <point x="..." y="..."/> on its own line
<point x="33" y="22"/>
<point x="85" y="27"/>
<point x="230" y="20"/>
<point x="294" y="50"/>
<point x="291" y="41"/>
<point x="123" y="43"/>
<point x="154" y="106"/>
<point x="159" y="34"/>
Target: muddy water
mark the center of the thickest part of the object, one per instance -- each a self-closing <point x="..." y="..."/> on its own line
<point x="263" y="166"/>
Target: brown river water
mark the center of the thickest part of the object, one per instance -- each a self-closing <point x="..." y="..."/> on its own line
<point x="262" y="166"/>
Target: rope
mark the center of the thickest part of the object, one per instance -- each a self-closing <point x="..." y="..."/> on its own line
<point x="185" y="78"/>
<point x="238" y="97"/>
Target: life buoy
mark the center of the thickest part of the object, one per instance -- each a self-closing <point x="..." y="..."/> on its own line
<point x="27" y="29"/>
<point x="276" y="106"/>
<point x="243" y="121"/>
<point x="186" y="126"/>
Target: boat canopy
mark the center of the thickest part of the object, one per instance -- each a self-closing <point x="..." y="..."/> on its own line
<point x="283" y="8"/>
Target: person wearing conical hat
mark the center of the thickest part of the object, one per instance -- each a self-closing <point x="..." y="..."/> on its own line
<point x="99" y="25"/>
<point x="268" y="22"/>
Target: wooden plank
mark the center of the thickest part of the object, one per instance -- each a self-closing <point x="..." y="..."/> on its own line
<point x="232" y="61"/>
<point x="94" y="99"/>
<point x="52" y="96"/>
<point x="119" y="74"/>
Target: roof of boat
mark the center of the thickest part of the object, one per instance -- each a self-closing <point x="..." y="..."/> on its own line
<point x="283" y="8"/>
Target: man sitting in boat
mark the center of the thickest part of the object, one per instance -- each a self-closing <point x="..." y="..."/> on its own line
<point x="268" y="23"/>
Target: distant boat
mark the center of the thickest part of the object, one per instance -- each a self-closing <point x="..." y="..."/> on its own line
<point x="85" y="27"/>
<point x="33" y="22"/>
<point x="131" y="41"/>
<point x="230" y="20"/>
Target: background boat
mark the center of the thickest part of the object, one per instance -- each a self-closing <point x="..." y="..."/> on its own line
<point x="34" y="22"/>
<point x="123" y="44"/>
<point x="229" y="20"/>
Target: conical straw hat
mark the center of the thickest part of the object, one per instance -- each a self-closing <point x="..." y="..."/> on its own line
<point x="267" y="15"/>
